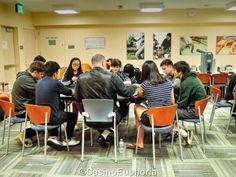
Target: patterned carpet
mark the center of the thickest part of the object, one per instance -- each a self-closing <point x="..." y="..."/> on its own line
<point x="219" y="159"/>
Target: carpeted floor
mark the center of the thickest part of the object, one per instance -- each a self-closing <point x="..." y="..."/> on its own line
<point x="219" y="159"/>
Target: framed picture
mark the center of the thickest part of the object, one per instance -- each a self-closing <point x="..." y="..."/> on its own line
<point x="135" y="46"/>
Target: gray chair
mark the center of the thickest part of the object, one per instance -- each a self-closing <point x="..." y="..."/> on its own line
<point x="100" y="111"/>
<point x="231" y="117"/>
<point x="163" y="119"/>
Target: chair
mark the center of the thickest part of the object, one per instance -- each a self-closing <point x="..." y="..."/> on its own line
<point x="39" y="115"/>
<point x="100" y="111"/>
<point x="9" y="115"/>
<point x="221" y="80"/>
<point x="60" y="74"/>
<point x="205" y="78"/>
<point x="86" y="67"/>
<point x="217" y="102"/>
<point x="199" y="108"/>
<point x="161" y="116"/>
<point x="231" y="114"/>
<point x="6" y="96"/>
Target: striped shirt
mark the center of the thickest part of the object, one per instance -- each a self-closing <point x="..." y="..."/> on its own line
<point x="157" y="95"/>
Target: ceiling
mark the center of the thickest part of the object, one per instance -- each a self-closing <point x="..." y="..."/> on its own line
<point x="102" y="5"/>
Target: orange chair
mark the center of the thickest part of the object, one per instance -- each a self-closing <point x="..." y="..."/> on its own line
<point x="60" y="74"/>
<point x="205" y="78"/>
<point x="9" y="113"/>
<point x="39" y="115"/>
<point x="200" y="106"/>
<point x="6" y="96"/>
<point x="86" y="67"/>
<point x="217" y="103"/>
<point x="162" y="118"/>
<point x="221" y="80"/>
<point x="231" y="114"/>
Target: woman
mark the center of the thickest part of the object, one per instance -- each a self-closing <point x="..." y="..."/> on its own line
<point x="73" y="71"/>
<point x="158" y="92"/>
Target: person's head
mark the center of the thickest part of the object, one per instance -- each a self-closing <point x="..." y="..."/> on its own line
<point x="151" y="73"/>
<point x="52" y="68"/>
<point x="181" y="68"/>
<point x="129" y="70"/>
<point x="168" y="36"/>
<point x="37" y="70"/>
<point x="99" y="60"/>
<point x="40" y="58"/>
<point x="75" y="65"/>
<point x="115" y="65"/>
<point x="167" y="67"/>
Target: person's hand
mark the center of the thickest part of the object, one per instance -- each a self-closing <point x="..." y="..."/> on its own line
<point x="74" y="78"/>
<point x="127" y="83"/>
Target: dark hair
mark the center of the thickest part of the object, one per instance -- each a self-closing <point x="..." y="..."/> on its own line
<point x="166" y="62"/>
<point x="182" y="66"/>
<point x="70" y="69"/>
<point x="169" y="35"/>
<point x="151" y="73"/>
<point x="129" y="68"/>
<point x="40" y="58"/>
<point x="51" y="67"/>
<point x="115" y="62"/>
<point x="37" y="66"/>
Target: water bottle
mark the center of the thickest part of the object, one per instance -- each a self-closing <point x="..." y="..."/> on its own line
<point x="121" y="146"/>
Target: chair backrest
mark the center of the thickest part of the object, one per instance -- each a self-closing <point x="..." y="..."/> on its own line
<point x="8" y="108"/>
<point x="205" y="78"/>
<point x="86" y="67"/>
<point x="163" y="116"/>
<point x="60" y="74"/>
<point x="220" y="78"/>
<point x="200" y="105"/>
<point x="37" y="114"/>
<point x="98" y="109"/>
<point x="5" y="96"/>
<point x="216" y="92"/>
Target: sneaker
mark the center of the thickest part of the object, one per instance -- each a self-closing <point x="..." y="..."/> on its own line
<point x="55" y="144"/>
<point x="71" y="142"/>
<point x="28" y="142"/>
<point x="102" y="142"/>
<point x="110" y="139"/>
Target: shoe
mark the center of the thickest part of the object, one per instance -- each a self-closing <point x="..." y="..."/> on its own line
<point x="102" y="142"/>
<point x="28" y="142"/>
<point x="71" y="142"/>
<point x="168" y="137"/>
<point x="110" y="139"/>
<point x="55" y="144"/>
<point x="133" y="146"/>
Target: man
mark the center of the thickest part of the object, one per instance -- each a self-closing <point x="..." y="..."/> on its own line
<point x="191" y="90"/>
<point x="167" y="68"/>
<point x="101" y="84"/>
<point x="48" y="92"/>
<point x="40" y="58"/>
<point x="24" y="92"/>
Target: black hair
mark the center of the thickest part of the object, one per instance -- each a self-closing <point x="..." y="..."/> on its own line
<point x="40" y="58"/>
<point x="166" y="62"/>
<point x="129" y="68"/>
<point x="70" y="69"/>
<point x="151" y="73"/>
<point x="37" y="66"/>
<point x="51" y="68"/>
<point x="169" y="35"/>
<point x="182" y="66"/>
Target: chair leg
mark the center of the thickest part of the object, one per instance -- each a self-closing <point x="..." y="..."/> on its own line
<point x="212" y="115"/>
<point x="195" y="127"/>
<point x="67" y="144"/>
<point x="204" y="128"/>
<point x="115" y="145"/>
<point x="203" y="143"/>
<point x="24" y="133"/>
<point x="3" y="132"/>
<point x="172" y="138"/>
<point x="91" y="137"/>
<point x="136" y="150"/>
<point x="20" y="126"/>
<point x="227" y="129"/>
<point x="37" y="135"/>
<point x="180" y="145"/>
<point x="159" y="140"/>
<point x="117" y="134"/>
<point x="82" y="148"/>
<point x="153" y="149"/>
<point x="45" y="142"/>
<point x="8" y="139"/>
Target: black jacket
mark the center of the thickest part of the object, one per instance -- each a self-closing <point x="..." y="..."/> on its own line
<point x="23" y="90"/>
<point x="99" y="83"/>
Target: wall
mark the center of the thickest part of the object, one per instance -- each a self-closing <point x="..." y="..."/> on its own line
<point x="114" y="26"/>
<point x="8" y="17"/>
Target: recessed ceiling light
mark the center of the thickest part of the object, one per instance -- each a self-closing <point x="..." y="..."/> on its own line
<point x="64" y="9"/>
<point x="151" y="7"/>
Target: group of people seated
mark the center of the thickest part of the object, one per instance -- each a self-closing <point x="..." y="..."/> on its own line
<point x="39" y="85"/>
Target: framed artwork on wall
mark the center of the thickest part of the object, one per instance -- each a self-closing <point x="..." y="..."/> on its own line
<point x="161" y="45"/>
<point x="193" y="45"/>
<point x="135" y="46"/>
<point x="225" y="45"/>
